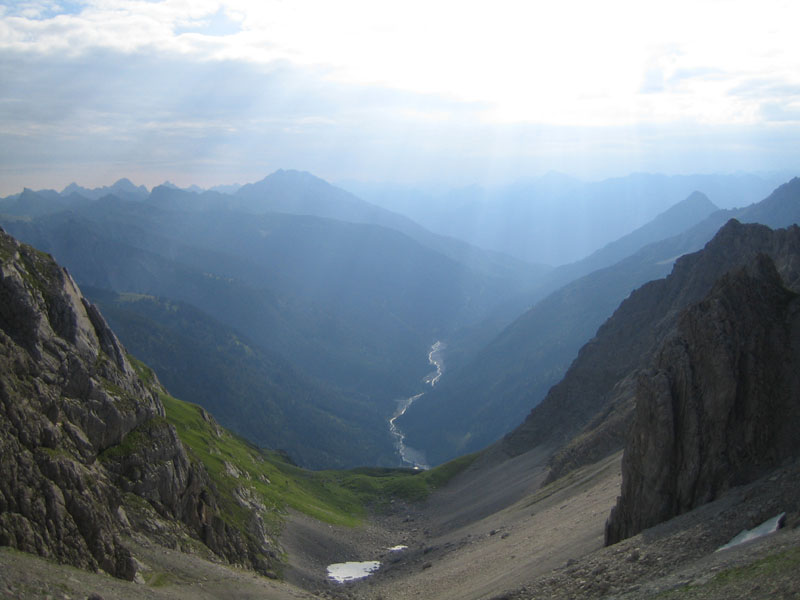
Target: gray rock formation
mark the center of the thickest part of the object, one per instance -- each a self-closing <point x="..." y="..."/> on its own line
<point x="719" y="407"/>
<point x="80" y="432"/>
<point x="588" y="414"/>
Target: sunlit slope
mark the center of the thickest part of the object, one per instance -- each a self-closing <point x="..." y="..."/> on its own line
<point x="255" y="393"/>
<point x="337" y="497"/>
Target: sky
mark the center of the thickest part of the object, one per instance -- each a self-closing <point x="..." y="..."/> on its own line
<point x="212" y="92"/>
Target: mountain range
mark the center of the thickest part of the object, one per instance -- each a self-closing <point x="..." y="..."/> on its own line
<point x="352" y="306"/>
<point x="337" y="300"/>
<point x="489" y="395"/>
<point x="557" y="219"/>
<point x="695" y="375"/>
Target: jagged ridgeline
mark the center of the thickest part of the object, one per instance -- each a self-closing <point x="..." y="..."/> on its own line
<point x="718" y="406"/>
<point x="86" y="453"/>
<point x="93" y="451"/>
<point x="296" y="313"/>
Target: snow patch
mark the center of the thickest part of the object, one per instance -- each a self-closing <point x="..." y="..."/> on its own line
<point x="350" y="571"/>
<point x="769" y="526"/>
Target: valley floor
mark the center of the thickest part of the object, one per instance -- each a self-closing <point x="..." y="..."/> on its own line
<point x="478" y="548"/>
<point x="493" y="534"/>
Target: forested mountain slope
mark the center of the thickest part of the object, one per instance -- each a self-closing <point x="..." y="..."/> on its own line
<point x="486" y="398"/>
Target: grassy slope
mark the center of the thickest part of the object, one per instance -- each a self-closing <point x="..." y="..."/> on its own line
<point x="337" y="497"/>
<point x="251" y="391"/>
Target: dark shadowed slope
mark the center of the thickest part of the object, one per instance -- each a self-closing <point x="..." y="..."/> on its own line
<point x="596" y="395"/>
<point x="718" y="406"/>
<point x="301" y="193"/>
<point x="255" y="393"/>
<point x="356" y="306"/>
<point x="480" y="402"/>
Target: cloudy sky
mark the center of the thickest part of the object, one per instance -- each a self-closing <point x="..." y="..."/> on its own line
<point x="207" y="92"/>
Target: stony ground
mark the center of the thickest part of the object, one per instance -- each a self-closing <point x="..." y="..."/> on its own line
<point x="549" y="543"/>
<point x="544" y="543"/>
<point x="168" y="575"/>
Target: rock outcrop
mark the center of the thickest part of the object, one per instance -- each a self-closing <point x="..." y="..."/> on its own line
<point x="588" y="414"/>
<point x="720" y="406"/>
<point x="81" y="432"/>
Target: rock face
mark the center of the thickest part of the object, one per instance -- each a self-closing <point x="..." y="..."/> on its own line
<point x="80" y="432"/>
<point x="588" y="414"/>
<point x="697" y="371"/>
<point x="720" y="405"/>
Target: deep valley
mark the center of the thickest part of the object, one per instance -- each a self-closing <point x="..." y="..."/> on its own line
<point x="208" y="395"/>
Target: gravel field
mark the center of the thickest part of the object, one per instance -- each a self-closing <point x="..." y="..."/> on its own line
<point x="544" y="543"/>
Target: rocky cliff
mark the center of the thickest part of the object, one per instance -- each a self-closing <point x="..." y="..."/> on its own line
<point x="83" y="439"/>
<point x="588" y="414"/>
<point x="719" y="407"/>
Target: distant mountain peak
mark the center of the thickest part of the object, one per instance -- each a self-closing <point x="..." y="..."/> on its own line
<point x="72" y="188"/>
<point x="697" y="196"/>
<point x="127" y="185"/>
<point x="292" y="175"/>
<point x="283" y="181"/>
<point x="695" y="203"/>
<point x="160" y="188"/>
<point x="124" y="188"/>
<point x="167" y="192"/>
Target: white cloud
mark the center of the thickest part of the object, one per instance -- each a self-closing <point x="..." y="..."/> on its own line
<point x="571" y="62"/>
<point x="368" y="84"/>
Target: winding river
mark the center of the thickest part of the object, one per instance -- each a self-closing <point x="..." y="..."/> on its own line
<point x="351" y="571"/>
<point x="412" y="456"/>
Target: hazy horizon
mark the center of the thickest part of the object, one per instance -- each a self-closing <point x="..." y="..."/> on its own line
<point x="386" y="192"/>
<point x="433" y="94"/>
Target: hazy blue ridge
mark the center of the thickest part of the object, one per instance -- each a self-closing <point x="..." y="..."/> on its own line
<point x="556" y="219"/>
<point x="491" y="395"/>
